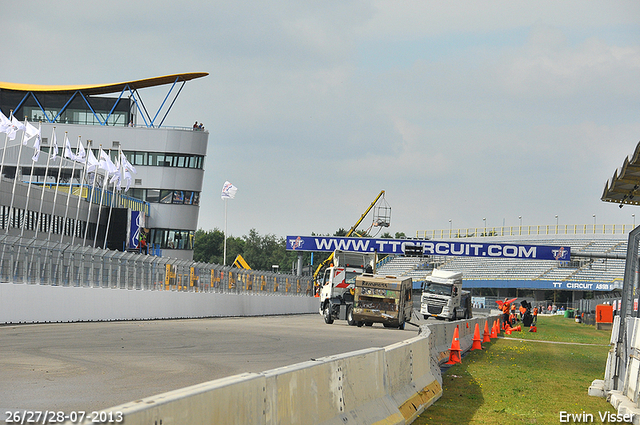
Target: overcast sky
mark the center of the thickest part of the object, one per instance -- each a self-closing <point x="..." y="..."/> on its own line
<point x="459" y="110"/>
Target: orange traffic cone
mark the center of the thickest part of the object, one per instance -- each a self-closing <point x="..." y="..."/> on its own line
<point x="477" y="342"/>
<point x="516" y="329"/>
<point x="467" y="325"/>
<point x="533" y="328"/>
<point x="454" y="352"/>
<point x="507" y="329"/>
<point x="494" y="332"/>
<point x="486" y="335"/>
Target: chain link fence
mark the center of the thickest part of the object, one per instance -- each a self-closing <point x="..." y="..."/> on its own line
<point x="60" y="264"/>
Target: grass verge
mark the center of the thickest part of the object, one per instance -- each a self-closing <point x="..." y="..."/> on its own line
<point x="522" y="380"/>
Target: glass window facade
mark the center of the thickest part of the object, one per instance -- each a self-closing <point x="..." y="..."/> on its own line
<point x="171" y="238"/>
<point x="166" y="196"/>
<point x="161" y="159"/>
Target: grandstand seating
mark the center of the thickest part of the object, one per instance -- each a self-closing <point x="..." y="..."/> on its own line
<point x="482" y="268"/>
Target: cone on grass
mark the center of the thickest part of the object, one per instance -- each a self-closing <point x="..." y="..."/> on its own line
<point x="494" y="333"/>
<point x="454" y="352"/>
<point x="510" y="329"/>
<point x="486" y="336"/>
<point x="533" y="328"/>
<point x="477" y="341"/>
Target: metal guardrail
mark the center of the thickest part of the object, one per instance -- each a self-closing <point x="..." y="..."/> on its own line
<point x="562" y="229"/>
<point x="56" y="264"/>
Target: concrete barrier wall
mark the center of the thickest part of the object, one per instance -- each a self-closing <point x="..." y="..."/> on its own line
<point x="21" y="303"/>
<point x="390" y="385"/>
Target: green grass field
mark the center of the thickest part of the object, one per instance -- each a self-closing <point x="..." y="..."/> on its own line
<point x="523" y="379"/>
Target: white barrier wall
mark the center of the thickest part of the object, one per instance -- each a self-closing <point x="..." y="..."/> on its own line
<point x="390" y="385"/>
<point x="21" y="303"/>
<point x="625" y="399"/>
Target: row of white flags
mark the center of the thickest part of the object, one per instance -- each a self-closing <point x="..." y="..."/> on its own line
<point x="119" y="173"/>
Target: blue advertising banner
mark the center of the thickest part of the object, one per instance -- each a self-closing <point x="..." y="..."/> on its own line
<point x="543" y="284"/>
<point x="429" y="247"/>
<point x="136" y="222"/>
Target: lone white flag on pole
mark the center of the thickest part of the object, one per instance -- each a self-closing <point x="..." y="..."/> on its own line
<point x="228" y="191"/>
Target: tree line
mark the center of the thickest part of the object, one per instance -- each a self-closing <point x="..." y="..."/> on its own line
<point x="261" y="252"/>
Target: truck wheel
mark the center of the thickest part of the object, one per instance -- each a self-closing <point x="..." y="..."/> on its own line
<point x="401" y="325"/>
<point x="350" y="320"/>
<point x="359" y="324"/>
<point x="425" y="316"/>
<point x="327" y="314"/>
<point x="454" y="316"/>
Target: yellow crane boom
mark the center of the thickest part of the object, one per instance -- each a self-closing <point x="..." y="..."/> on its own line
<point x="355" y="226"/>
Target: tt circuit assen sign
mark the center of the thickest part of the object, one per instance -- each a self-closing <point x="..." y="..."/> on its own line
<point x="428" y="247"/>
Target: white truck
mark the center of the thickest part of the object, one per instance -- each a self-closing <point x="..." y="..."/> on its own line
<point x="338" y="283"/>
<point x="443" y="297"/>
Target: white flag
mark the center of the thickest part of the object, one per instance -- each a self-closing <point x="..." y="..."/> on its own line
<point x="80" y="154"/>
<point x="126" y="164"/>
<point x="5" y="124"/>
<point x="30" y="132"/>
<point x="54" y="147"/>
<point x="127" y="179"/>
<point x="15" y="126"/>
<point x="36" y="146"/>
<point x="92" y="161"/>
<point x="117" y="176"/>
<point x="106" y="163"/>
<point x="228" y="191"/>
<point x="68" y="153"/>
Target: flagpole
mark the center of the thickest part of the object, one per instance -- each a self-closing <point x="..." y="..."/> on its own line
<point x="84" y="173"/>
<point x="33" y="164"/>
<point x="93" y="185"/>
<point x="224" y="258"/>
<point x="4" y="151"/>
<point x="104" y="184"/>
<point x="73" y="171"/>
<point x="113" y="196"/>
<point x="15" y="180"/>
<point x="44" y="185"/>
<point x="55" y="195"/>
<point x="8" y="222"/>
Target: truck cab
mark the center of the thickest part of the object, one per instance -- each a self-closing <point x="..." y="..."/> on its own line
<point x="443" y="297"/>
<point x="338" y="283"/>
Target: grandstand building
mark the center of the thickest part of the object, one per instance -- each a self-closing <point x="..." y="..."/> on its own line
<point x="169" y="163"/>
<point x="597" y="264"/>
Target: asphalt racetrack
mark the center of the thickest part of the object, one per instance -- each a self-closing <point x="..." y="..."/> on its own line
<point x="96" y="365"/>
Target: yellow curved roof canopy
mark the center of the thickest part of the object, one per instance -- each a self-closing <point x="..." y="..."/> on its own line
<point x="104" y="88"/>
